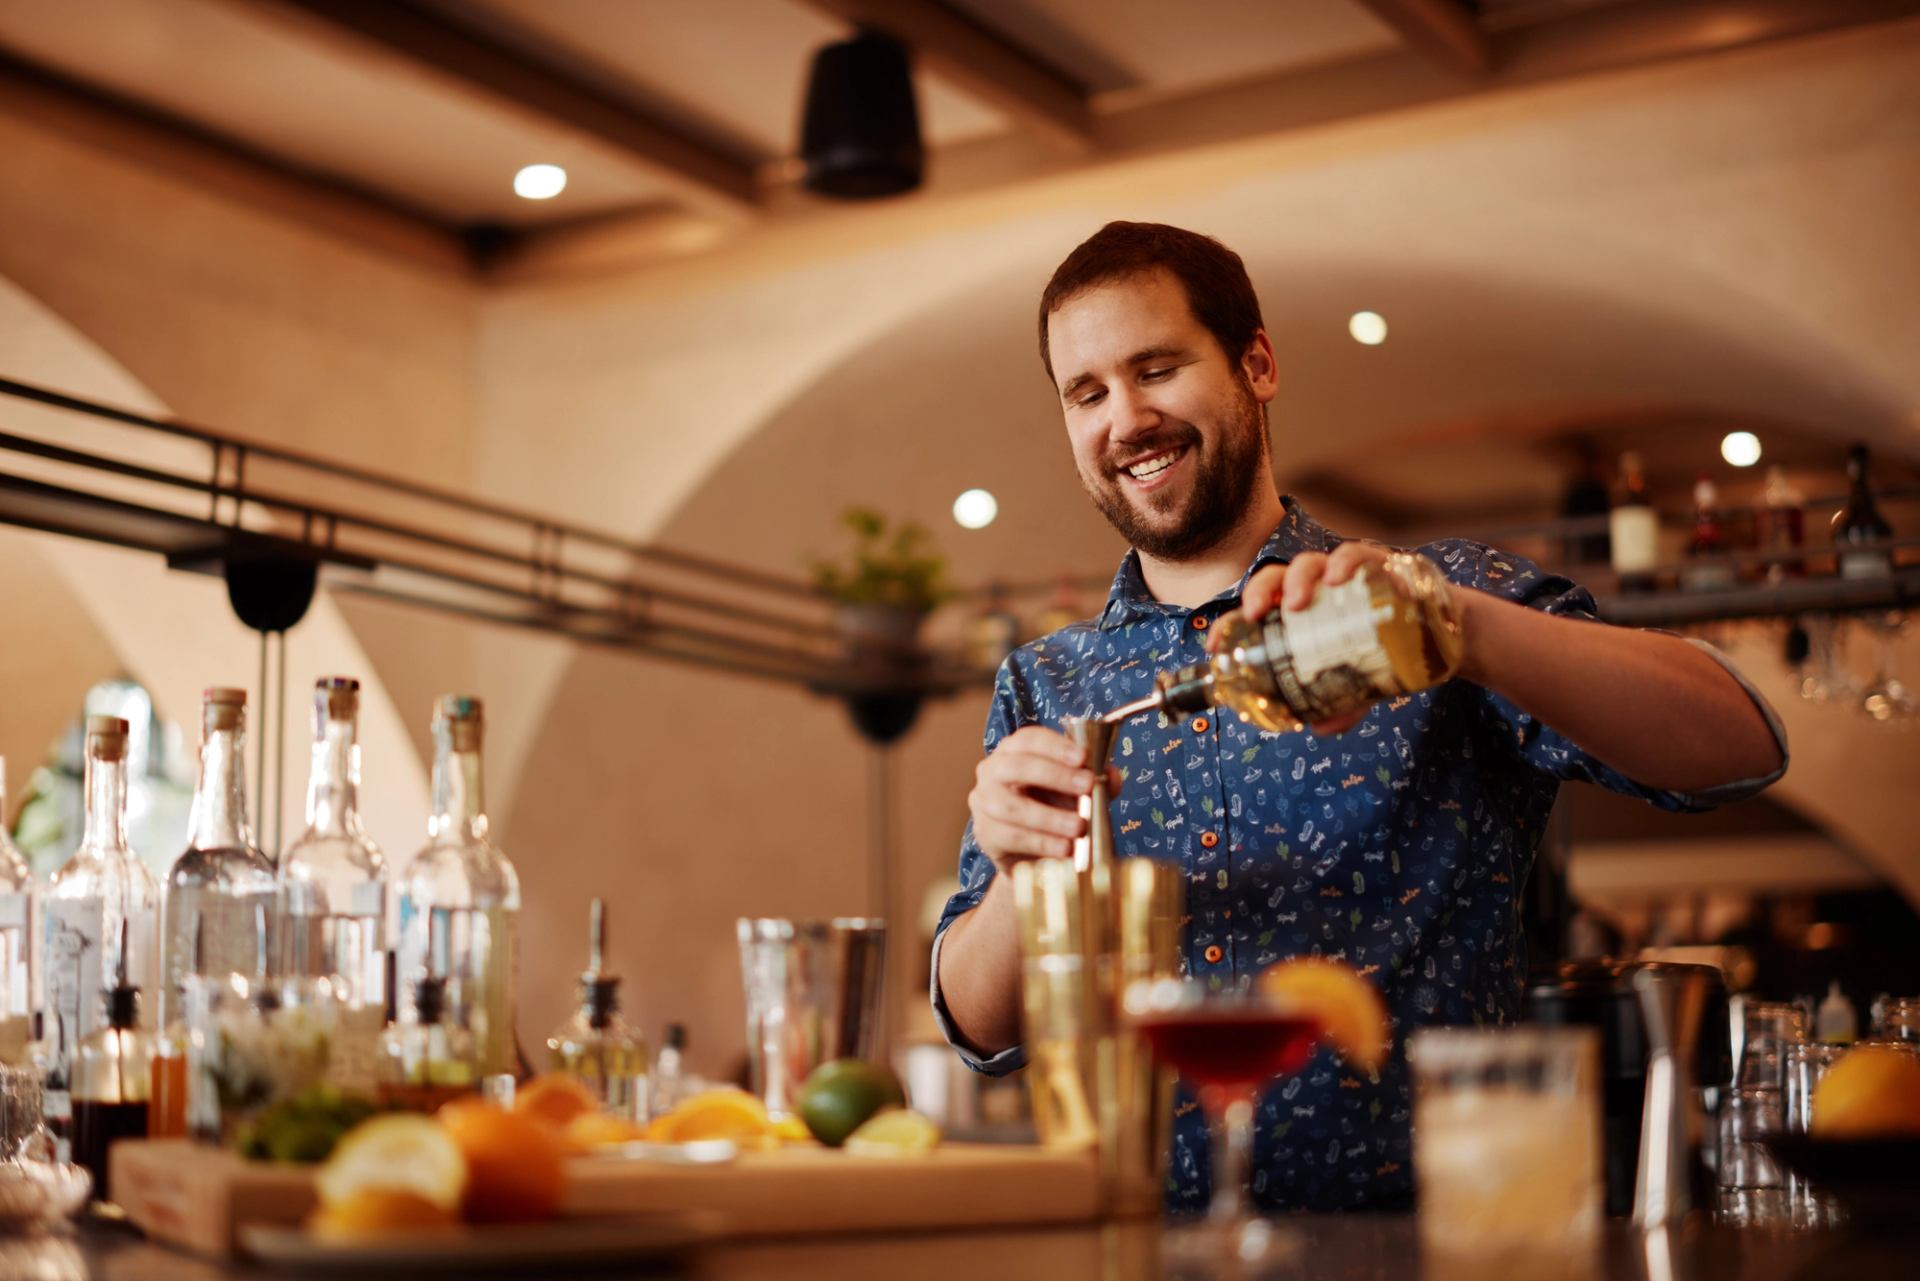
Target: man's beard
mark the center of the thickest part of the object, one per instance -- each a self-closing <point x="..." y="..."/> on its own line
<point x="1212" y="506"/>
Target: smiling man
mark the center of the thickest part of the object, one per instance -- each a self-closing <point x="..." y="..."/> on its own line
<point x="1397" y="839"/>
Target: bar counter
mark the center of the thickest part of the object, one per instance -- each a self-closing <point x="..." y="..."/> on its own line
<point x="1350" y="1247"/>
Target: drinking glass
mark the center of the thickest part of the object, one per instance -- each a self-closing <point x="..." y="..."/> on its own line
<point x="1826" y="679"/>
<point x="1902" y="1019"/>
<point x="1227" y="1045"/>
<point x="1753" y="1189"/>
<point x="1885" y="697"/>
<point x="1767" y="1028"/>
<point x="1507" y="1148"/>
<point x="1806" y="1064"/>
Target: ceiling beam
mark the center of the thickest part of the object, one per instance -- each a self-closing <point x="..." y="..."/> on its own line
<point x="213" y="163"/>
<point x="1442" y="30"/>
<point x="703" y="175"/>
<point x="990" y="68"/>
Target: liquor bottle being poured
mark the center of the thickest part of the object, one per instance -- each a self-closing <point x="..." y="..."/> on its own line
<point x="1389" y="630"/>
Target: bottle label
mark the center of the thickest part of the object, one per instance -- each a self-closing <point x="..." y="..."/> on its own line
<point x="1635" y="533"/>
<point x="1327" y="658"/>
<point x="1865" y="565"/>
<point x="74" y="927"/>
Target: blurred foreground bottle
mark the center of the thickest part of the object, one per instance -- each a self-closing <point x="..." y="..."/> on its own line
<point x="221" y="880"/>
<point x="19" y="914"/>
<point x="102" y="893"/>
<point x="1389" y="630"/>
<point x="333" y="892"/>
<point x="1633" y="529"/>
<point x="596" y="1046"/>
<point x="460" y="900"/>
<point x="110" y="1078"/>
<point x="1859" y="526"/>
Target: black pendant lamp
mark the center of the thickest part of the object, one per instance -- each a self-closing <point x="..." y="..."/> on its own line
<point x="861" y="138"/>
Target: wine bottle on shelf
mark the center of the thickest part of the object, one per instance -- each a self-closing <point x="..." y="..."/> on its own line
<point x="333" y="892"/>
<point x="221" y="880"/>
<point x="459" y="901"/>
<point x="1859" y="528"/>
<point x="1782" y="521"/>
<point x="1633" y="529"/>
<point x="1706" y="568"/>
<point x="596" y="1046"/>
<point x="19" y="913"/>
<point x="99" y="894"/>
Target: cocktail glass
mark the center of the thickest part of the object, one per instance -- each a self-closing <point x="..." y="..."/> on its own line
<point x="1227" y="1045"/>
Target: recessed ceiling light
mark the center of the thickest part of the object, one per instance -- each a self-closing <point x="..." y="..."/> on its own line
<point x="1368" y="327"/>
<point x="540" y="182"/>
<point x="975" y="509"/>
<point x="1741" y="448"/>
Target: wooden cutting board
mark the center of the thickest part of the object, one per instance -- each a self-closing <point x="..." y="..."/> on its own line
<point x="804" y="1191"/>
<point x="197" y="1198"/>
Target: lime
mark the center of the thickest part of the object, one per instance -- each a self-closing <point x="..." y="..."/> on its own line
<point x="894" y="1132"/>
<point x="839" y="1097"/>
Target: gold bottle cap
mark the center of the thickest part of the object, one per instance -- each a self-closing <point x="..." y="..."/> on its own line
<point x="106" y="738"/>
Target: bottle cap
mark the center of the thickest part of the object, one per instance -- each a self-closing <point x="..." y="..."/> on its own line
<point x="224" y="707"/>
<point x="336" y="698"/>
<point x="106" y="738"/>
<point x="464" y="719"/>
<point x="676" y="1036"/>
<point x="430" y="999"/>
<point x="601" y="995"/>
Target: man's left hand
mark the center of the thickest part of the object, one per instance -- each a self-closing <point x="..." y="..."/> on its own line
<point x="1292" y="586"/>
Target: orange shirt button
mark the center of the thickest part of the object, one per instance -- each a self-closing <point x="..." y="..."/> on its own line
<point x="1201" y="724"/>
<point x="1213" y="955"/>
<point x="1199" y="623"/>
<point x="1209" y="839"/>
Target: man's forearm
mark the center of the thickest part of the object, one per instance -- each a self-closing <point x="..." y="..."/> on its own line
<point x="980" y="972"/>
<point x="1651" y="706"/>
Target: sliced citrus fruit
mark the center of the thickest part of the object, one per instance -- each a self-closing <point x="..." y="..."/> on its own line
<point x="377" y="1212"/>
<point x="1349" y="1010"/>
<point x="1872" y="1090"/>
<point x="556" y="1098"/>
<point x="516" y="1166"/>
<point x="894" y="1132"/>
<point x="397" y="1153"/>
<point x="839" y="1096"/>
<point x="791" y="1129"/>
<point x="596" y="1129"/>
<point x="714" y="1114"/>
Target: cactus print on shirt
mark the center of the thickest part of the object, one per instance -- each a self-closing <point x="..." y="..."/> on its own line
<point x="1400" y="847"/>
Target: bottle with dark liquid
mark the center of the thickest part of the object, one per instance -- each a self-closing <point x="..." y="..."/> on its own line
<point x="110" y="1081"/>
<point x="1389" y="630"/>
<point x="1706" y="568"/>
<point x="1782" y="525"/>
<point x="1858" y="527"/>
<point x="1633" y="529"/>
<point x="427" y="1060"/>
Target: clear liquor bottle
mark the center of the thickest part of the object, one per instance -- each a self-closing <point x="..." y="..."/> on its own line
<point x="596" y="1046"/>
<point x="1389" y="630"/>
<point x="333" y="890"/>
<point x="1859" y="527"/>
<point x="19" y="913"/>
<point x="459" y="898"/>
<point x="221" y="887"/>
<point x="101" y="896"/>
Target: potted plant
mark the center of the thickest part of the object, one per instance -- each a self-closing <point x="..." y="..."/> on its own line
<point x="888" y="584"/>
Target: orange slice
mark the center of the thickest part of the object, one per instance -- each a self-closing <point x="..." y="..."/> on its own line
<point x="714" y="1114"/>
<point x="1349" y="1010"/>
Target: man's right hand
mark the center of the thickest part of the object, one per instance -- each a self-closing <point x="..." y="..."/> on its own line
<point x="1026" y="795"/>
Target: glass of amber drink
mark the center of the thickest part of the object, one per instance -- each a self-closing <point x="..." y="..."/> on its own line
<point x="1227" y="1046"/>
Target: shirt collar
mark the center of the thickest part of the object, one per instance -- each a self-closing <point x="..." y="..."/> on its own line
<point x="1297" y="532"/>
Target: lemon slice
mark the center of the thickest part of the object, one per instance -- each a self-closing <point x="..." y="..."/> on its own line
<point x="894" y="1132"/>
<point x="397" y="1153"/>
<point x="1349" y="1010"/>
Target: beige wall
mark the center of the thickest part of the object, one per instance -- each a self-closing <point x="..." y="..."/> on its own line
<point x="1732" y="234"/>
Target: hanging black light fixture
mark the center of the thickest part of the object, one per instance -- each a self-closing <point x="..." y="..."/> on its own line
<point x="861" y="137"/>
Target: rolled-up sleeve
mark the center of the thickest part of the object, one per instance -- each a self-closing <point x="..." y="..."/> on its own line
<point x="1552" y="752"/>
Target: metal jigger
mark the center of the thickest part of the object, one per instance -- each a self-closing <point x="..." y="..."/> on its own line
<point x="1674" y="1002"/>
<point x="1089" y="927"/>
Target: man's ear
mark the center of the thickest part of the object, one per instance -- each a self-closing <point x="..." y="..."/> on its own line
<point x="1257" y="366"/>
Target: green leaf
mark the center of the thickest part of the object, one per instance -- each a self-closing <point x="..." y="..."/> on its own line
<point x="1159" y="819"/>
<point x="1384" y="774"/>
<point x="1246" y="757"/>
<point x="1206" y="806"/>
<point x="1354" y="917"/>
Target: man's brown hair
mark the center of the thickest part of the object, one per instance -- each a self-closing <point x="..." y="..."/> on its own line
<point x="1212" y="275"/>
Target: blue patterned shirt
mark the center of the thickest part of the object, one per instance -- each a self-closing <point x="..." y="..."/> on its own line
<point x="1400" y="847"/>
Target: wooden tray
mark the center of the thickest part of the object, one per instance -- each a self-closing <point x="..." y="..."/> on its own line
<point x="197" y="1198"/>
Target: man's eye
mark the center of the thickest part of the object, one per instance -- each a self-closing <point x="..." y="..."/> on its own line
<point x="1155" y="375"/>
<point x="1091" y="398"/>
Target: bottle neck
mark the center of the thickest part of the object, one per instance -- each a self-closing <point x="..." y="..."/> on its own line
<point x="106" y="790"/>
<point x="459" y="808"/>
<point x="333" y="788"/>
<point x="220" y="802"/>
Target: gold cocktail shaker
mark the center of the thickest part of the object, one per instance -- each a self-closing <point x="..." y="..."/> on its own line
<point x="1090" y="927"/>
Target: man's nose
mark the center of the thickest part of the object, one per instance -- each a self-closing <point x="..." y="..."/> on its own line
<point x="1132" y="413"/>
